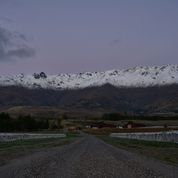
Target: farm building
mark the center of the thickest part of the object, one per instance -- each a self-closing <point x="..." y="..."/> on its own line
<point x="130" y="125"/>
<point x="98" y="125"/>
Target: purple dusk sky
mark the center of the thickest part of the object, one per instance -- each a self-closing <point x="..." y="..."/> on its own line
<point x="71" y="36"/>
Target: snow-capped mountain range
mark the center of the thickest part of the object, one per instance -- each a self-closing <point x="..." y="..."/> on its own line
<point x="133" y="77"/>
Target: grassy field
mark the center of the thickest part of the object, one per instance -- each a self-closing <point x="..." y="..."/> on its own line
<point x="15" y="149"/>
<point x="163" y="151"/>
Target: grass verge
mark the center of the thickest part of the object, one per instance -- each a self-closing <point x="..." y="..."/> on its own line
<point x="164" y="151"/>
<point x="19" y="148"/>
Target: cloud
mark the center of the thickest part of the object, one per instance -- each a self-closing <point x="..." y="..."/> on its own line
<point x="114" y="42"/>
<point x="13" y="46"/>
<point x="6" y="19"/>
<point x="21" y="52"/>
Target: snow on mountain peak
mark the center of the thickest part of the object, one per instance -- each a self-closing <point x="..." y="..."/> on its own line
<point x="132" y="77"/>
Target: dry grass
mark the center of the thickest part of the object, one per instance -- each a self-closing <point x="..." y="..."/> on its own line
<point x="164" y="151"/>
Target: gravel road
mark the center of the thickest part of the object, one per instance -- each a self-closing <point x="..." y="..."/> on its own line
<point x="85" y="158"/>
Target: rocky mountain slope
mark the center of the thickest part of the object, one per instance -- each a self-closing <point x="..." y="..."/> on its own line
<point x="133" y="77"/>
<point x="137" y="90"/>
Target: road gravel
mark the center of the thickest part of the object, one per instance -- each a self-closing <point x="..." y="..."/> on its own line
<point x="87" y="157"/>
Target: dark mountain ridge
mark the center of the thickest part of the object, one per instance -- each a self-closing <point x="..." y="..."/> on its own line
<point x="107" y="98"/>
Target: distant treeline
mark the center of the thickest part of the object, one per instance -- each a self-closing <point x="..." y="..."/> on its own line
<point x="123" y="116"/>
<point x="26" y="123"/>
<point x="118" y="116"/>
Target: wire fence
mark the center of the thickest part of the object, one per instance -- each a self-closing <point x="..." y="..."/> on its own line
<point x="23" y="136"/>
<point x="170" y="136"/>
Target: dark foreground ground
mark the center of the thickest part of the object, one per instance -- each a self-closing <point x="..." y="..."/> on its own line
<point x="87" y="157"/>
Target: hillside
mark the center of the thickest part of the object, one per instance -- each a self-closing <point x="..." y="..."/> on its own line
<point x="106" y="98"/>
